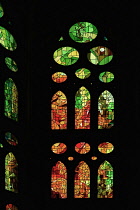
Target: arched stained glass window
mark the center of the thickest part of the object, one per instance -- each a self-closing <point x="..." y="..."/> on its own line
<point x="105" y="180"/>
<point x="11" y="173"/>
<point x="82" y="109"/>
<point x="105" y="110"/>
<point x="11" y="100"/>
<point x="59" y="111"/>
<point x="59" y="181"/>
<point x="82" y="181"/>
<point x="11" y="207"/>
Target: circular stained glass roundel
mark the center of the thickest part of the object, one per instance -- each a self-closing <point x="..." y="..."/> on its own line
<point x="82" y="148"/>
<point x="83" y="32"/>
<point x="59" y="148"/>
<point x="59" y="77"/>
<point x="106" y="77"/>
<point x="82" y="73"/>
<point x="66" y="56"/>
<point x="100" y="55"/>
<point x="105" y="147"/>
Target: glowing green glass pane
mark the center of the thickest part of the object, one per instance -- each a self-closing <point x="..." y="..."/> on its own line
<point x="1" y="11"/>
<point x="61" y="38"/>
<point x="1" y="145"/>
<point x="11" y="64"/>
<point x="7" y="40"/>
<point x="106" y="77"/>
<point x="66" y="56"/>
<point x="83" y="32"/>
<point x="83" y="73"/>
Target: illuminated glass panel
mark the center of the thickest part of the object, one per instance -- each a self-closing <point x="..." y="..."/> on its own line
<point x="59" y="181"/>
<point x="105" y="180"/>
<point x="59" y="77"/>
<point x="82" y="73"/>
<point x="59" y="111"/>
<point x="106" y="77"/>
<point x="66" y="56"/>
<point x="1" y="11"/>
<point x="82" y="148"/>
<point x="59" y="148"/>
<point x="1" y="145"/>
<point x="93" y="158"/>
<point x="11" y="100"/>
<point x="11" y="139"/>
<point x="70" y="158"/>
<point x="11" y="173"/>
<point x="105" y="147"/>
<point x="82" y="109"/>
<point x="61" y="38"/>
<point x="83" y="32"/>
<point x="11" y="64"/>
<point x="11" y="207"/>
<point x="7" y="40"/>
<point x="105" y="110"/>
<point x="100" y="55"/>
<point x="82" y="181"/>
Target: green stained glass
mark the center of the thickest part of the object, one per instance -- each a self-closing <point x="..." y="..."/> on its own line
<point x="105" y="38"/>
<point x="11" y="100"/>
<point x="7" y="40"/>
<point x="106" y="77"/>
<point x="61" y="38"/>
<point x="66" y="56"/>
<point x="1" y="145"/>
<point x="83" y="32"/>
<point x="83" y="73"/>
<point x="11" y="64"/>
<point x="100" y="55"/>
<point x="11" y="139"/>
<point x="1" y="11"/>
<point x="105" y="180"/>
<point x="11" y="173"/>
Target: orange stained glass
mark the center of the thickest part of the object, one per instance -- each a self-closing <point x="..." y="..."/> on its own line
<point x="105" y="147"/>
<point x="94" y="158"/>
<point x="59" y="148"/>
<point x="59" y="111"/>
<point x="82" y="148"/>
<point x="82" y="181"/>
<point x="59" y="77"/>
<point x="70" y="158"/>
<point x="59" y="181"/>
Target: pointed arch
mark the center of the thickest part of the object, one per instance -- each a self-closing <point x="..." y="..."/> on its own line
<point x="82" y="181"/>
<point x="11" y="100"/>
<point x="59" y="111"/>
<point x="11" y="173"/>
<point x="59" y="181"/>
<point x="11" y="207"/>
<point x="82" y="109"/>
<point x="105" y="110"/>
<point x="105" y="180"/>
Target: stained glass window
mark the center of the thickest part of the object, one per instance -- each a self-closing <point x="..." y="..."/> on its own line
<point x="11" y="207"/>
<point x="100" y="55"/>
<point x="82" y="109"/>
<point x="66" y="56"/>
<point x="59" y="111"/>
<point x="7" y="40"/>
<point x="11" y="100"/>
<point x="82" y="73"/>
<point x="11" y="139"/>
<point x="82" y="181"/>
<point x="59" y="148"/>
<point x="1" y="11"/>
<point x="11" y="173"/>
<point x="105" y="110"/>
<point x="11" y="64"/>
<point x="105" y="147"/>
<point x="59" y="77"/>
<point x="105" y="180"/>
<point x="61" y="38"/>
<point x="106" y="77"/>
<point x="82" y="147"/>
<point x="83" y="32"/>
<point x="59" y="181"/>
<point x="1" y="145"/>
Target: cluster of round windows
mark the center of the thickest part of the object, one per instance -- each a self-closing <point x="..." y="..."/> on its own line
<point x="82" y="148"/>
<point x="82" y="32"/>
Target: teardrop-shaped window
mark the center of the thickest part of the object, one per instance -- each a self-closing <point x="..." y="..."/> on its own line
<point x="11" y="64"/>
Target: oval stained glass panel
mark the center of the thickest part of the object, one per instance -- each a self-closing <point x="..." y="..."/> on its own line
<point x="59" y="77"/>
<point x="105" y="147"/>
<point x="82" y="148"/>
<point x="7" y="40"/>
<point x="100" y="55"/>
<point x="11" y="139"/>
<point x="83" y="73"/>
<point x="83" y="32"/>
<point x="66" y="56"/>
<point x="11" y="64"/>
<point x="106" y="77"/>
<point x="59" y="148"/>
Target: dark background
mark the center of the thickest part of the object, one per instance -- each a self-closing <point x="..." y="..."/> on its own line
<point x="37" y="27"/>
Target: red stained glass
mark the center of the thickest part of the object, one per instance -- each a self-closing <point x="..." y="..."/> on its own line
<point x="82" y="148"/>
<point x="11" y="207"/>
<point x="59" y="148"/>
